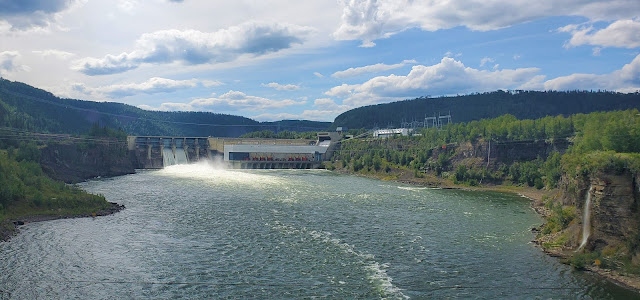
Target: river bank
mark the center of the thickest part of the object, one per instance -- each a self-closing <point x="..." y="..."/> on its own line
<point x="536" y="196"/>
<point x="10" y="227"/>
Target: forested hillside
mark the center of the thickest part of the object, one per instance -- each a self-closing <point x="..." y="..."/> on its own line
<point x="592" y="137"/>
<point x="571" y="158"/>
<point x="521" y="104"/>
<point x="25" y="107"/>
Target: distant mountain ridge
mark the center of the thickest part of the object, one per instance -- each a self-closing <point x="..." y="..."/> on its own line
<point x="25" y="107"/>
<point x="522" y="104"/>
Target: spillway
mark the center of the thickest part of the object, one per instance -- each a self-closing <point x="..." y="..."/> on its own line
<point x="170" y="158"/>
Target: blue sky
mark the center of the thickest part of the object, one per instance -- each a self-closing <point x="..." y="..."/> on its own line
<point x="272" y="60"/>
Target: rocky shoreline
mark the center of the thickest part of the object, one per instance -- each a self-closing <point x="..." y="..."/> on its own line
<point x="11" y="227"/>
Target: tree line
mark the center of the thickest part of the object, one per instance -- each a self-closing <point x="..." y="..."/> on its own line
<point x="466" y="108"/>
<point x="599" y="141"/>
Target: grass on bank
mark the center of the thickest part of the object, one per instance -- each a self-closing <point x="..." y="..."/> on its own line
<point x="25" y="190"/>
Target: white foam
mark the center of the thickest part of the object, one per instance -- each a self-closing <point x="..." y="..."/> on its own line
<point x="415" y="189"/>
<point x="377" y="271"/>
<point x="208" y="171"/>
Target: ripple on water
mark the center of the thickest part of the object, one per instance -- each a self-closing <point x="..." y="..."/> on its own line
<point x="200" y="232"/>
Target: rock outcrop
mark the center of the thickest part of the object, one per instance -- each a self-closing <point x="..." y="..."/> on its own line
<point x="615" y="219"/>
<point x="614" y="215"/>
<point x="75" y="162"/>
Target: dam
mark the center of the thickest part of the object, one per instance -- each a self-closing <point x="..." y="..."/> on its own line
<point x="156" y="152"/>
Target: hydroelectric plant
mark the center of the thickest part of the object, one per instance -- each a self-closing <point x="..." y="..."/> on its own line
<point x="156" y="152"/>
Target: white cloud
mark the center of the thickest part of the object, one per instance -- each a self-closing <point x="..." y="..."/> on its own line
<point x="312" y="115"/>
<point x="230" y="101"/>
<point x="486" y="60"/>
<point x="154" y="85"/>
<point x="351" y="72"/>
<point x="9" y="62"/>
<point x="210" y="83"/>
<point x="325" y="109"/>
<point x="327" y="104"/>
<point x="55" y="53"/>
<point x="627" y="79"/>
<point x="193" y="47"/>
<point x="317" y="74"/>
<point x="445" y="78"/>
<point x="128" y="6"/>
<point x="343" y="90"/>
<point x="281" y="87"/>
<point x="146" y="107"/>
<point x="622" y="33"/>
<point x="369" y="20"/>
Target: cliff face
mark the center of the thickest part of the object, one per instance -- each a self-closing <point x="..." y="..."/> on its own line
<point x="614" y="215"/>
<point x="477" y="153"/>
<point x="73" y="162"/>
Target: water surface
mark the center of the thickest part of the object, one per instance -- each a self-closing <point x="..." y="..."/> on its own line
<point x="192" y="231"/>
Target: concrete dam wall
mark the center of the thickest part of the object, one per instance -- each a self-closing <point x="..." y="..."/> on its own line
<point x="156" y="152"/>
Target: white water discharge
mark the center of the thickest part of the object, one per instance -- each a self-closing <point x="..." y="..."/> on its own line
<point x="586" y="220"/>
<point x="181" y="156"/>
<point x="169" y="159"/>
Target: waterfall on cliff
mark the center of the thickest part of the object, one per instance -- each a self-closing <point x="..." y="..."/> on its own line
<point x="586" y="220"/>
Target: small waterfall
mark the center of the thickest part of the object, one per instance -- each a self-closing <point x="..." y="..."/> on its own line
<point x="586" y="219"/>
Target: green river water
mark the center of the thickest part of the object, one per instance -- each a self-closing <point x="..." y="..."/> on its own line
<point x="197" y="232"/>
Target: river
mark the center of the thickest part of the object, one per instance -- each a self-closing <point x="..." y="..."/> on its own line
<point x="195" y="232"/>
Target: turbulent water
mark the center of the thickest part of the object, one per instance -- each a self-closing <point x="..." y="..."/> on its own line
<point x="195" y="232"/>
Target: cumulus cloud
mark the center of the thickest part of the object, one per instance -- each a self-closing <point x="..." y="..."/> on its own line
<point x="318" y="74"/>
<point x="343" y="90"/>
<point x="193" y="47"/>
<point x="154" y="85"/>
<point x="230" y="101"/>
<point x="9" y="62"/>
<point x="445" y="78"/>
<point x="627" y="79"/>
<point x="369" y="20"/>
<point x="281" y="87"/>
<point x="31" y="14"/>
<point x="451" y="77"/>
<point x="325" y="109"/>
<point x="622" y="33"/>
<point x="351" y="72"/>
